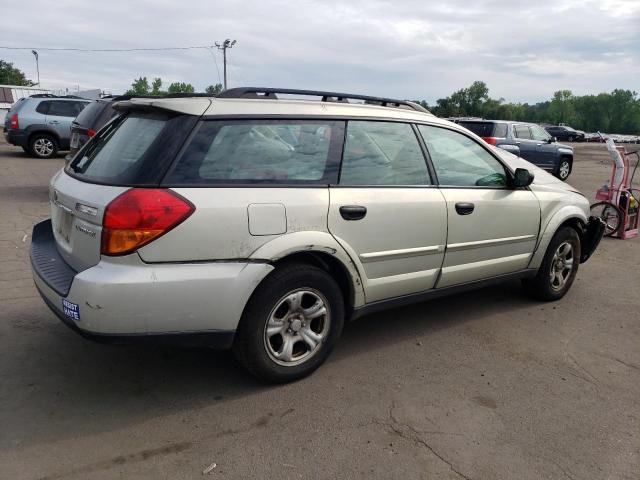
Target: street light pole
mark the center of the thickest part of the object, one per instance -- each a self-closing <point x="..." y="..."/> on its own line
<point x="35" y="54"/>
<point x="226" y="44"/>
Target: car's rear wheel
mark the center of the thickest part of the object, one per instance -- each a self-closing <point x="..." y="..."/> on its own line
<point x="42" y="145"/>
<point x="559" y="267"/>
<point x="290" y="324"/>
<point x="564" y="169"/>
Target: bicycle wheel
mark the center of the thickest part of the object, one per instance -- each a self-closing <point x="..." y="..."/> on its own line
<point x="611" y="215"/>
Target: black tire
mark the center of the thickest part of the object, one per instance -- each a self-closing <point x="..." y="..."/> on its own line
<point x="610" y="214"/>
<point x="564" y="169"/>
<point x="43" y="145"/>
<point x="256" y="351"/>
<point x="545" y="285"/>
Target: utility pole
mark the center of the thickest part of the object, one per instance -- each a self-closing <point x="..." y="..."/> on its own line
<point x="226" y="44"/>
<point x="35" y="54"/>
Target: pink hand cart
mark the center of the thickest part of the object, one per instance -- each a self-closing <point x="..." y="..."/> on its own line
<point x="618" y="205"/>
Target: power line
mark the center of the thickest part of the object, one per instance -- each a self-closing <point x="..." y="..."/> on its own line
<point x="55" y="49"/>
<point x="216" y="62"/>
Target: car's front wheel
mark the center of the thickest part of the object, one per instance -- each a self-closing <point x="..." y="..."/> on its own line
<point x="564" y="169"/>
<point x="290" y="324"/>
<point x="559" y="267"/>
<point x="42" y="145"/>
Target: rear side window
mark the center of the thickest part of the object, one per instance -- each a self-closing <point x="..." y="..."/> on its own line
<point x="134" y="149"/>
<point x="382" y="153"/>
<point x="62" y="108"/>
<point x="486" y="129"/>
<point x="522" y="131"/>
<point x="43" y="107"/>
<point x="261" y="151"/>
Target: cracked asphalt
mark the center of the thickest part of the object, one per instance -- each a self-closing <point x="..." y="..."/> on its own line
<point x="484" y="385"/>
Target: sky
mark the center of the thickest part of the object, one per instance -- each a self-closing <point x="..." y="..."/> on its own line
<point x="422" y="49"/>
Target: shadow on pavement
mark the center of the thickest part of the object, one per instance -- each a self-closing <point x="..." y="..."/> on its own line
<point x="91" y="388"/>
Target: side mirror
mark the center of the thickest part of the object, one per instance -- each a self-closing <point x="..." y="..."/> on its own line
<point x="553" y="140"/>
<point x="522" y="178"/>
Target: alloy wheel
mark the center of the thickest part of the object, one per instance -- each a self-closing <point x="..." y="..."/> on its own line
<point x="565" y="169"/>
<point x="561" y="266"/>
<point x="297" y="327"/>
<point x="43" y="147"/>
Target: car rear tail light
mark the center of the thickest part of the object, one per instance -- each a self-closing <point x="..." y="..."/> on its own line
<point x="139" y="216"/>
<point x="15" y="124"/>
<point x="91" y="132"/>
<point x="490" y="140"/>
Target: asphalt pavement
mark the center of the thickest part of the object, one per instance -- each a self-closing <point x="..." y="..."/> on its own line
<point x="482" y="385"/>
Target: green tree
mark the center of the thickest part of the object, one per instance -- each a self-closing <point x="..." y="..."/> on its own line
<point x="9" y="75"/>
<point x="156" y="87"/>
<point x="464" y="102"/>
<point x="561" y="108"/>
<point x="615" y="112"/>
<point x="181" y="87"/>
<point x="139" y="86"/>
<point x="477" y="96"/>
<point x="214" y="89"/>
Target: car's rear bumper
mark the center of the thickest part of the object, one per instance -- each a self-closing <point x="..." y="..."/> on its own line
<point x="16" y="137"/>
<point x="590" y="238"/>
<point x="123" y="299"/>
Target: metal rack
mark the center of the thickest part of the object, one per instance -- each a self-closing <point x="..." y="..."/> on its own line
<point x="334" y="97"/>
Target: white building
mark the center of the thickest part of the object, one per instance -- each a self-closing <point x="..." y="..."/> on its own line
<point x="10" y="94"/>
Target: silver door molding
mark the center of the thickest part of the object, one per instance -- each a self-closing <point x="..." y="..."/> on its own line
<point x="402" y="253"/>
<point x="491" y="242"/>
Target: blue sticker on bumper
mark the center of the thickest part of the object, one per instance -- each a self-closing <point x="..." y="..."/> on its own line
<point x="71" y="310"/>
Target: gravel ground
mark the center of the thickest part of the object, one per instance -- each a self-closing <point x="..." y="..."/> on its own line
<point x="485" y="385"/>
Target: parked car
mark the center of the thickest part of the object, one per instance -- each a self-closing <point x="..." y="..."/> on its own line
<point x="565" y="133"/>
<point x="41" y="124"/>
<point x="264" y="225"/>
<point x="90" y="120"/>
<point x="526" y="140"/>
<point x="596" y="137"/>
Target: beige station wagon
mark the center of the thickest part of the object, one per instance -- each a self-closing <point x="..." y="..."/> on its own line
<point x="262" y="222"/>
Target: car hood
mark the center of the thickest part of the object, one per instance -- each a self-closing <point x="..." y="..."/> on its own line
<point x="542" y="179"/>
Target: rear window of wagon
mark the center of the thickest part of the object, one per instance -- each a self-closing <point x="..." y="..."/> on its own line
<point x="135" y="149"/>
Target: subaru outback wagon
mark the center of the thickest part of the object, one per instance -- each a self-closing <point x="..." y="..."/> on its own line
<point x="260" y="222"/>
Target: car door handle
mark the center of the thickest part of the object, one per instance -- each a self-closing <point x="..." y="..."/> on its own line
<point x="54" y="122"/>
<point x="465" y="208"/>
<point x="353" y="212"/>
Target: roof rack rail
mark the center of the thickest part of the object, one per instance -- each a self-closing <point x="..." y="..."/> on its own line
<point x="186" y="95"/>
<point x="51" y="95"/>
<point x="271" y="93"/>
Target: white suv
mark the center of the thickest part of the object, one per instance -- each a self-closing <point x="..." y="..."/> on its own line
<point x="262" y="223"/>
